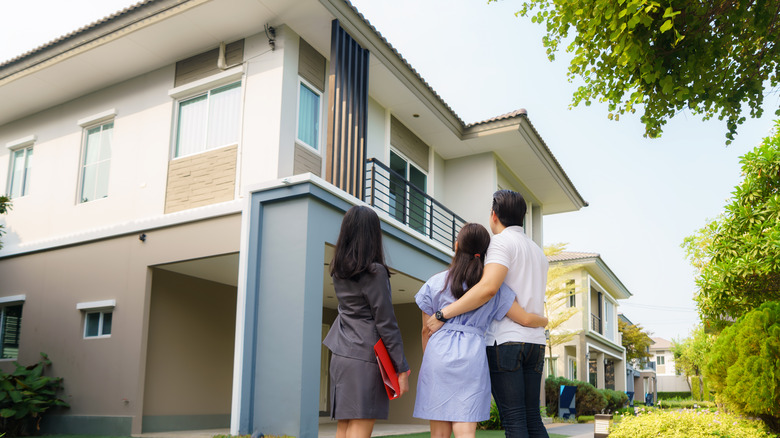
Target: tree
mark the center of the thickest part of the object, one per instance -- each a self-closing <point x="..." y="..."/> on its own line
<point x="743" y="366"/>
<point x="636" y="341"/>
<point x="5" y="205"/>
<point x="559" y="289"/>
<point x="711" y="58"/>
<point x="691" y="355"/>
<point x="737" y="255"/>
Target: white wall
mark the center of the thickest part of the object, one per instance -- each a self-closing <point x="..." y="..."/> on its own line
<point x="141" y="145"/>
<point x="469" y="183"/>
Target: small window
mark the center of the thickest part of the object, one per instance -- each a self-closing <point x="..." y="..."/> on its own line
<point x="20" y="172"/>
<point x="572" y="369"/>
<point x="660" y="360"/>
<point x="97" y="324"/>
<point x="209" y="120"/>
<point x="10" y="327"/>
<point x="96" y="162"/>
<point x="309" y="115"/>
<point x="572" y="298"/>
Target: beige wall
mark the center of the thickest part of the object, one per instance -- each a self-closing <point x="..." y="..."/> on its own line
<point x="102" y="376"/>
<point x="189" y="362"/>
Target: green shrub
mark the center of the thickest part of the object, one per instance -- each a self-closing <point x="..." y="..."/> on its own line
<point x="687" y="424"/>
<point x="586" y="418"/>
<point x="685" y="404"/>
<point x="494" y="422"/>
<point x="615" y="399"/>
<point x="742" y="368"/>
<point x="588" y="401"/>
<point x="25" y="395"/>
<point x="675" y="395"/>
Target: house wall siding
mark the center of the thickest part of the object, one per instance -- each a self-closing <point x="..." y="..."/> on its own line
<point x="202" y="179"/>
<point x="204" y="64"/>
<point x="307" y="161"/>
<point x="406" y="142"/>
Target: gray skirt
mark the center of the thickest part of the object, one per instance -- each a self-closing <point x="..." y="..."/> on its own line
<point x="356" y="390"/>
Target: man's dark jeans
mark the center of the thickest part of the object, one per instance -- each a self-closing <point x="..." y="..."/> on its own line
<point x="516" y="378"/>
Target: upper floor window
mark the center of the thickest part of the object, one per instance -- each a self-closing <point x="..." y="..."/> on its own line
<point x="10" y="328"/>
<point x="96" y="162"/>
<point x="660" y="360"/>
<point x="309" y="115"/>
<point x="572" y="299"/>
<point x="209" y="120"/>
<point x="407" y="204"/>
<point x="20" y="165"/>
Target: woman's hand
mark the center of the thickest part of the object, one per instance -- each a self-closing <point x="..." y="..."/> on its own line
<point x="403" y="382"/>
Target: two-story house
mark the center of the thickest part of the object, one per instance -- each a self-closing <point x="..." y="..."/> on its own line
<point x="641" y="378"/>
<point x="179" y="171"/>
<point x="669" y="378"/>
<point x="596" y="354"/>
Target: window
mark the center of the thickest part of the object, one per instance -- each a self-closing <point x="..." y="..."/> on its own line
<point x="97" y="324"/>
<point x="552" y="366"/>
<point x="609" y="320"/>
<point x="96" y="162"/>
<point x="572" y="368"/>
<point x="407" y="204"/>
<point x="572" y="298"/>
<point x="98" y="316"/>
<point x="21" y="170"/>
<point x="10" y="325"/>
<point x="660" y="360"/>
<point x="209" y="120"/>
<point x="308" y="115"/>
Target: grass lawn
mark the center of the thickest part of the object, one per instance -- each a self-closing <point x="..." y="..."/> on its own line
<point x="480" y="434"/>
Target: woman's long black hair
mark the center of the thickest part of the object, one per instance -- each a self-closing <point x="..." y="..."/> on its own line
<point x="469" y="260"/>
<point x="359" y="244"/>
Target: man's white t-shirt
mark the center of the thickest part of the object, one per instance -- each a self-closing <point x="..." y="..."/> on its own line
<point x="527" y="276"/>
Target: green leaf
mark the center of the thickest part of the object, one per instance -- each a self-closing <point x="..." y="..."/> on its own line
<point x="7" y="413"/>
<point x="666" y="26"/>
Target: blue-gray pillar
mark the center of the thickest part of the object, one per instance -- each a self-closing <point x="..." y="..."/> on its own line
<point x="283" y="318"/>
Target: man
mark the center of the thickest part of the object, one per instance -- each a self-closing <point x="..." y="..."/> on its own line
<point x="515" y="353"/>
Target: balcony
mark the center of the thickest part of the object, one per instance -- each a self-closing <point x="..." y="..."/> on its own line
<point x="390" y="192"/>
<point x="647" y="365"/>
<point x="595" y="323"/>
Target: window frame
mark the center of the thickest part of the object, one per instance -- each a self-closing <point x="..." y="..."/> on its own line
<point x="304" y="83"/>
<point x="204" y="88"/>
<point x="5" y="302"/>
<point x="92" y="307"/>
<point x="26" y="146"/>
<point x="407" y="193"/>
<point x="101" y="319"/>
<point x="86" y="127"/>
<point x="660" y="360"/>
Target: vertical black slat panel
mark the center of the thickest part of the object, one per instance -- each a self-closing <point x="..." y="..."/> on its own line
<point x="348" y="118"/>
<point x="331" y="140"/>
<point x="363" y="118"/>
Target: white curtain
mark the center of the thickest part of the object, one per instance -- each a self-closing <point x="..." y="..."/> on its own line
<point x="191" y="134"/>
<point x="224" y="116"/>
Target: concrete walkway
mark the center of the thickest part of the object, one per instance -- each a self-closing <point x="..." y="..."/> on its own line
<point x="572" y="430"/>
<point x="328" y="430"/>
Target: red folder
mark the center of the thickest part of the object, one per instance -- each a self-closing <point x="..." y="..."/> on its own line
<point x="386" y="368"/>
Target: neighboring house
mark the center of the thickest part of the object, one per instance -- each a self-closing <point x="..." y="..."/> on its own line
<point x="641" y="378"/>
<point x="192" y="163"/>
<point x="669" y="379"/>
<point x="596" y="355"/>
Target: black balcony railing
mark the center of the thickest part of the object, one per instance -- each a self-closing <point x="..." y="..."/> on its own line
<point x="390" y="192"/>
<point x="595" y="323"/>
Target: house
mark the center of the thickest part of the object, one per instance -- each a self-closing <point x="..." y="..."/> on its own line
<point x="641" y="378"/>
<point x="179" y="171"/>
<point x="669" y="378"/>
<point x="596" y="354"/>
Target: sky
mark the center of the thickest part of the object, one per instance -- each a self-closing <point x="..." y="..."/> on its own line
<point x="645" y="195"/>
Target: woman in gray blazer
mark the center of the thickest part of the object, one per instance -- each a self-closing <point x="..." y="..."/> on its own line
<point x="362" y="284"/>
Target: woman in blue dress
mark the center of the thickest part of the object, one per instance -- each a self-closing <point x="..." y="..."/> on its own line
<point x="453" y="388"/>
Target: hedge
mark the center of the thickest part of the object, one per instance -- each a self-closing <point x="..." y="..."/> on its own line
<point x="670" y="395"/>
<point x="687" y="424"/>
<point x="589" y="400"/>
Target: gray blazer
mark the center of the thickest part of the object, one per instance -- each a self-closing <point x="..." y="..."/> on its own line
<point x="366" y="314"/>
